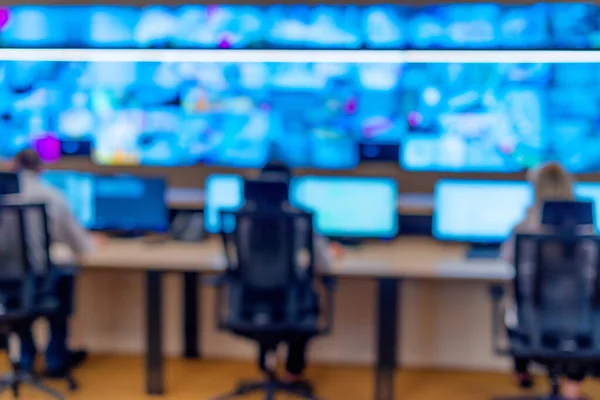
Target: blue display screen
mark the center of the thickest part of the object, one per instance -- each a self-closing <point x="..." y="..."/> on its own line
<point x="349" y="207"/>
<point x="483" y="117"/>
<point x="343" y="207"/>
<point x="487" y="211"/>
<point x="455" y="26"/>
<point x="123" y="203"/>
<point x="591" y="192"/>
<point x="222" y="192"/>
<point x="479" y="211"/>
<point x="177" y="114"/>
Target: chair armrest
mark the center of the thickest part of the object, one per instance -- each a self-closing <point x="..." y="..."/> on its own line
<point x="497" y="294"/>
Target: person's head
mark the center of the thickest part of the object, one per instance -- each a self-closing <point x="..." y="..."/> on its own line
<point x="28" y="160"/>
<point x="275" y="168"/>
<point x="275" y="171"/>
<point x="551" y="182"/>
<point x="266" y="193"/>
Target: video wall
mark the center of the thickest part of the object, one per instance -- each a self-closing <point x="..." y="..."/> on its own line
<point x="457" y="26"/>
<point x="480" y="115"/>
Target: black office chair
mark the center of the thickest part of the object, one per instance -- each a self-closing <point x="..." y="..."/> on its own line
<point x="26" y="290"/>
<point x="556" y="319"/>
<point x="266" y="293"/>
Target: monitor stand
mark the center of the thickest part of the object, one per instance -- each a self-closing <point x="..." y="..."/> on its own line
<point x="484" y="250"/>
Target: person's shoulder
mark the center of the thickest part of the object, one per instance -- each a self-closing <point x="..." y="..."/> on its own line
<point x="530" y="223"/>
<point x="47" y="194"/>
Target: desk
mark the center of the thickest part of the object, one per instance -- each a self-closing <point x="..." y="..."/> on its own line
<point x="388" y="264"/>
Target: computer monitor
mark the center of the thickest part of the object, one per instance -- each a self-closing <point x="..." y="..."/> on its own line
<point x="79" y="190"/>
<point x="590" y="191"/>
<point x="349" y="207"/>
<point x="9" y="183"/>
<point x="130" y="204"/>
<point x="222" y="192"/>
<point x="479" y="211"/>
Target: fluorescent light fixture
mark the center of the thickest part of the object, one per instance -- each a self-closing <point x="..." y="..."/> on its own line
<point x="301" y="56"/>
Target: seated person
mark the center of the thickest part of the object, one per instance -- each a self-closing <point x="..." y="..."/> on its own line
<point x="323" y="251"/>
<point x="65" y="229"/>
<point x="551" y="183"/>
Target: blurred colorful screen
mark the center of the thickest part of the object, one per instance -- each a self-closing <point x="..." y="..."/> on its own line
<point x="454" y="26"/>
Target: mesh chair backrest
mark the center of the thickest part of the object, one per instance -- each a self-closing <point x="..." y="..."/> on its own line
<point x="268" y="246"/>
<point x="557" y="276"/>
<point x="24" y="241"/>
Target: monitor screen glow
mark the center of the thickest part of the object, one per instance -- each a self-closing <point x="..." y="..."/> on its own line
<point x="349" y="207"/>
<point x="487" y="211"/>
<point x="124" y="203"/>
<point x="222" y="192"/>
<point x="479" y="211"/>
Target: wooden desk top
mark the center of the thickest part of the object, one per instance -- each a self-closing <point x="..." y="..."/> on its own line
<point x="417" y="258"/>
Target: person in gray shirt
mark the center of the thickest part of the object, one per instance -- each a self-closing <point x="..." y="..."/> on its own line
<point x="65" y="229"/>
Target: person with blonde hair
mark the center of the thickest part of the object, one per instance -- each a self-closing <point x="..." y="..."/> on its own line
<point x="551" y="182"/>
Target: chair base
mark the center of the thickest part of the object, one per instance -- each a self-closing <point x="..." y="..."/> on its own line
<point x="15" y="380"/>
<point x="271" y="387"/>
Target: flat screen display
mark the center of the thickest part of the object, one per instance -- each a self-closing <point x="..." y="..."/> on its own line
<point x="453" y="26"/>
<point x="475" y="117"/>
<point x="222" y="192"/>
<point x="178" y="114"/>
<point x="129" y="203"/>
<point x="479" y="211"/>
<point x="116" y="203"/>
<point x="487" y="211"/>
<point x="349" y="207"/>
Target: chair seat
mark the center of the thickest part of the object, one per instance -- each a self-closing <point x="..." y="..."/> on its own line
<point x="306" y="326"/>
<point x="43" y="308"/>
<point x="548" y="347"/>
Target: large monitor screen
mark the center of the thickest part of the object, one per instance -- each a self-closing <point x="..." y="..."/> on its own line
<point x="177" y="114"/>
<point x="479" y="211"/>
<point x="349" y="207"/>
<point x="475" y="117"/>
<point x="453" y="26"/>
<point x="573" y="126"/>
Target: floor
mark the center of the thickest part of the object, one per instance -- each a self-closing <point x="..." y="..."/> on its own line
<point x="120" y="378"/>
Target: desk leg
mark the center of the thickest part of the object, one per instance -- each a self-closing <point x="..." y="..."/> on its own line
<point x="387" y="337"/>
<point x="154" y="354"/>
<point x="191" y="323"/>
